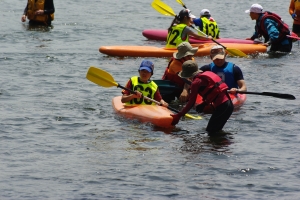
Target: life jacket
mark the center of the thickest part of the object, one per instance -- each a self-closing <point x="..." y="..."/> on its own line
<point x="174" y="78"/>
<point x="283" y="28"/>
<point x="33" y="6"/>
<point x="147" y="89"/>
<point x="210" y="27"/>
<point x="214" y="87"/>
<point x="174" y="37"/>
<point x="226" y="74"/>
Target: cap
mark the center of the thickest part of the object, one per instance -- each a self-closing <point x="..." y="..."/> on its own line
<point x="185" y="13"/>
<point x="184" y="49"/>
<point x="147" y="65"/>
<point x="255" y="8"/>
<point x="189" y="69"/>
<point x="204" y="12"/>
<point x="217" y="52"/>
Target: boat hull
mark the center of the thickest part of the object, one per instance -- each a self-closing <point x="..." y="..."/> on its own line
<point x="161" y="35"/>
<point x="154" y="114"/>
<point x="152" y="51"/>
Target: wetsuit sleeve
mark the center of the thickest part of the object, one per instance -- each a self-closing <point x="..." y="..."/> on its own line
<point x="193" y="96"/>
<point x="49" y="7"/>
<point x="272" y="30"/>
<point x="25" y="10"/>
<point x="129" y="86"/>
<point x="205" y="68"/>
<point x="255" y="34"/>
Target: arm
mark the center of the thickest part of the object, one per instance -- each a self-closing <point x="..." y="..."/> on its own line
<point x="205" y="68"/>
<point x="23" y="18"/>
<point x="292" y="7"/>
<point x="198" y="22"/>
<point x="191" y="32"/>
<point x="157" y="97"/>
<point x="127" y="96"/>
<point x="272" y="30"/>
<point x="49" y="7"/>
<point x="193" y="96"/>
<point x="238" y="76"/>
<point x="185" y="93"/>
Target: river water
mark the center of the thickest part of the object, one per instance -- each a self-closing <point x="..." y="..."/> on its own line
<point x="59" y="136"/>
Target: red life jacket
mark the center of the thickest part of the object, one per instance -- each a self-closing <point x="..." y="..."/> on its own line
<point x="174" y="78"/>
<point x="283" y="28"/>
<point x="213" y="89"/>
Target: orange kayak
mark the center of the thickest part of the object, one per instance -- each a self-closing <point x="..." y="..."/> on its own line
<point x="152" y="51"/>
<point x="157" y="115"/>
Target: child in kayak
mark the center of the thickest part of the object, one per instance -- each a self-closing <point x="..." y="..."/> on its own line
<point x="180" y="29"/>
<point x="207" y="24"/>
<point x="143" y="86"/>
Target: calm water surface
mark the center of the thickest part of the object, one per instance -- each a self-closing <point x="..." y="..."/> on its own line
<point x="60" y="139"/>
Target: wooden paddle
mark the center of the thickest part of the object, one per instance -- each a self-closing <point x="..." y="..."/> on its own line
<point x="167" y="85"/>
<point x="164" y="9"/>
<point x="104" y="79"/>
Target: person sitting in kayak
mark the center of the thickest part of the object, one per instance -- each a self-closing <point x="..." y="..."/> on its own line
<point x="270" y="26"/>
<point x="143" y="86"/>
<point x="180" y="30"/>
<point x="213" y="90"/>
<point x="184" y="52"/>
<point x="230" y="73"/>
<point x="207" y="24"/>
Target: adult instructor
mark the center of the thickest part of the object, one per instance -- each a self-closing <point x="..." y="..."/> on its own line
<point x="213" y="90"/>
<point x="272" y="28"/>
<point x="39" y="12"/>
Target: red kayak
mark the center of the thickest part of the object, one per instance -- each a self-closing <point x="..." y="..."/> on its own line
<point x="161" y="35"/>
<point x="237" y="100"/>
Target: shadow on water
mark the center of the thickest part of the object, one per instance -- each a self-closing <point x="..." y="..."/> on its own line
<point x="35" y="27"/>
<point x="202" y="142"/>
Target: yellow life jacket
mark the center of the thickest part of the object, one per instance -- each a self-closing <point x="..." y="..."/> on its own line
<point x="174" y="37"/>
<point x="210" y="27"/>
<point x="33" y="6"/>
<point x="147" y="89"/>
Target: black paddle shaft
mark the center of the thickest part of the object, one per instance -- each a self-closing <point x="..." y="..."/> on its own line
<point x="271" y="94"/>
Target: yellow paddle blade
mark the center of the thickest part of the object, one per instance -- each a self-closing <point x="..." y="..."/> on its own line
<point x="180" y="2"/>
<point x="100" y="77"/>
<point x="236" y="52"/>
<point x="192" y="117"/>
<point x="162" y="8"/>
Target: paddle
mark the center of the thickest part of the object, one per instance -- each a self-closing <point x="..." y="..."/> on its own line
<point x="104" y="79"/>
<point x="171" y="87"/>
<point x="232" y="52"/>
<point x="164" y="9"/>
<point x="271" y="94"/>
